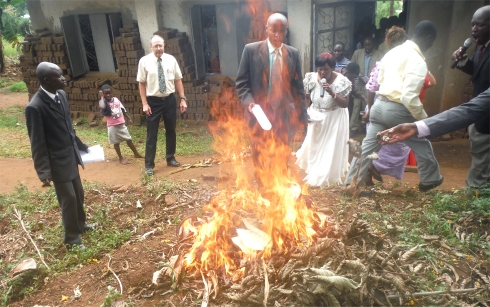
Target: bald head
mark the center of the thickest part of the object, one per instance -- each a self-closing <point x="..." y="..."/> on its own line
<point x="50" y="77"/>
<point x="276" y="28"/>
<point x="480" y="25"/>
<point x="44" y="69"/>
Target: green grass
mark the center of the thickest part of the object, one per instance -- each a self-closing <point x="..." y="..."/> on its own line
<point x="9" y="50"/>
<point x="17" y="87"/>
<point x="14" y="142"/>
<point x="41" y="208"/>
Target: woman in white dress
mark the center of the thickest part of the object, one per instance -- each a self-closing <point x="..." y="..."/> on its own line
<point x="324" y="153"/>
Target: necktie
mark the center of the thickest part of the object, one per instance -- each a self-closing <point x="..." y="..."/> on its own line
<point x="58" y="102"/>
<point x="161" y="77"/>
<point x="275" y="91"/>
<point x="480" y="52"/>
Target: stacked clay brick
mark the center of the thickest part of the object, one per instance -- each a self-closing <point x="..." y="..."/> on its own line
<point x="177" y="44"/>
<point x="210" y="98"/>
<point x="223" y="101"/>
<point x="42" y="47"/>
<point x="128" y="50"/>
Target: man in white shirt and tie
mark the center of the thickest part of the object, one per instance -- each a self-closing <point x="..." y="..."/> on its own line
<point x="401" y="78"/>
<point x="159" y="76"/>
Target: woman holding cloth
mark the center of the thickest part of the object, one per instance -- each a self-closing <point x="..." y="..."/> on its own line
<point x="324" y="153"/>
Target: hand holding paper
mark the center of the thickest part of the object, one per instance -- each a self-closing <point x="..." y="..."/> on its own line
<point x="94" y="154"/>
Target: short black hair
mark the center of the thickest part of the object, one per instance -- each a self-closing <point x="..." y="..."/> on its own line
<point x="106" y="87"/>
<point x="353" y="67"/>
<point x="325" y="58"/>
<point x="340" y="44"/>
<point x="383" y="23"/>
<point x="424" y="29"/>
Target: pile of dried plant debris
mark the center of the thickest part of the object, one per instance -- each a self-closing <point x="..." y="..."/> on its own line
<point x="348" y="264"/>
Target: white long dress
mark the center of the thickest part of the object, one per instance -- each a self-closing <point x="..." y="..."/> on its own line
<point x="324" y="153"/>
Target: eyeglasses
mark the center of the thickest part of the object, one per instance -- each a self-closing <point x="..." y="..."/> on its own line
<point x="157" y="46"/>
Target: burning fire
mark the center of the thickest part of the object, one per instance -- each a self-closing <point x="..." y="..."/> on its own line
<point x="247" y="222"/>
<point x="251" y="224"/>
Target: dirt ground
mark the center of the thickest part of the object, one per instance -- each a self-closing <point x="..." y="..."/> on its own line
<point x="453" y="156"/>
<point x="135" y="261"/>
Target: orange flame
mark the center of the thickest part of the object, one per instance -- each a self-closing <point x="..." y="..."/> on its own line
<point x="278" y="214"/>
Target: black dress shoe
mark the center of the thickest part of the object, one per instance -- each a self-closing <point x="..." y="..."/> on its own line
<point x="173" y="163"/>
<point x="430" y="186"/>
<point x="75" y="247"/>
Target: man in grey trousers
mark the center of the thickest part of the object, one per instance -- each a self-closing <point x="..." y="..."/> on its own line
<point x="401" y="78"/>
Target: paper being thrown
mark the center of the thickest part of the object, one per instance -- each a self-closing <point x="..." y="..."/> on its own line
<point x="94" y="154"/>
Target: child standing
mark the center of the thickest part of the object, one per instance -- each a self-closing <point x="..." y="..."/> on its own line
<point x="114" y="112"/>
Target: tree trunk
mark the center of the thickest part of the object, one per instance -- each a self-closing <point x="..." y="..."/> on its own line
<point x="392" y="4"/>
<point x="2" y="59"/>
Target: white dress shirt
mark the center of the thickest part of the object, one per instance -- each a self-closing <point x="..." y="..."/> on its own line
<point x="148" y="73"/>
<point x="402" y="76"/>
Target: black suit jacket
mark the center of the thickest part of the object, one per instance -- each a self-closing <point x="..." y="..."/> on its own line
<point x="54" y="144"/>
<point x="252" y="83"/>
<point x="480" y="76"/>
<point x="461" y="116"/>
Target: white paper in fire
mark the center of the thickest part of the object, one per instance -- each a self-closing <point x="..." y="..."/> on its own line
<point x="94" y="154"/>
<point x="251" y="239"/>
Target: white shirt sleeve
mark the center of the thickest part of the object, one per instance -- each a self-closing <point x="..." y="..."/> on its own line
<point x="422" y="128"/>
<point x="141" y="75"/>
<point x="413" y="79"/>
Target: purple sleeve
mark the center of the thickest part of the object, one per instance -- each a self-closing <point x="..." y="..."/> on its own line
<point x="372" y="85"/>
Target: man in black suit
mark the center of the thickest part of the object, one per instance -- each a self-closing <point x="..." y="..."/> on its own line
<point x="270" y="76"/>
<point x="55" y="149"/>
<point x="478" y="66"/>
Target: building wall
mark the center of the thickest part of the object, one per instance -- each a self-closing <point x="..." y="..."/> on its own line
<point x="452" y="19"/>
<point x="46" y="14"/>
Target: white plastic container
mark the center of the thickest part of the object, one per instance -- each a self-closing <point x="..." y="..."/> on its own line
<point x="261" y="117"/>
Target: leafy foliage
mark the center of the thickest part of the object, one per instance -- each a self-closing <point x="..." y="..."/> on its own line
<point x="13" y="23"/>
<point x="383" y="9"/>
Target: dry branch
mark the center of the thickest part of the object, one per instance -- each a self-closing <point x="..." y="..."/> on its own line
<point x="114" y="273"/>
<point x="18" y="215"/>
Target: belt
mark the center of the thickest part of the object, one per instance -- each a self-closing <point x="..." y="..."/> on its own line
<point x="163" y="98"/>
<point x="325" y="110"/>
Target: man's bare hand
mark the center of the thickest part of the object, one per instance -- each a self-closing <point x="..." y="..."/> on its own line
<point x="147" y="109"/>
<point x="250" y="106"/>
<point x="46" y="182"/>
<point x="183" y="106"/>
<point x="398" y="133"/>
<point x="458" y="54"/>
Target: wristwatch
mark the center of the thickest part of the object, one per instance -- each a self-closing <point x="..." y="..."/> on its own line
<point x="183" y="98"/>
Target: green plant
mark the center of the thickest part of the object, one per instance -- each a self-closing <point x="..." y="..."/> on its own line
<point x="18" y="87"/>
<point x="112" y="295"/>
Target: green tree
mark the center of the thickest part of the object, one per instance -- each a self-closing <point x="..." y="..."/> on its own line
<point x="12" y="24"/>
<point x="383" y="9"/>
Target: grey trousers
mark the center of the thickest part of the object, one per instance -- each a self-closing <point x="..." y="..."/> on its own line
<point x="479" y="173"/>
<point x="384" y="115"/>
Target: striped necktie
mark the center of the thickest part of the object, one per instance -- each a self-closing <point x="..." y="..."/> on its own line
<point x="161" y="77"/>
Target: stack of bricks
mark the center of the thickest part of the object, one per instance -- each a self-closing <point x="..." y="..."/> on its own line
<point x="223" y="101"/>
<point x="43" y="46"/>
<point x="128" y="50"/>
